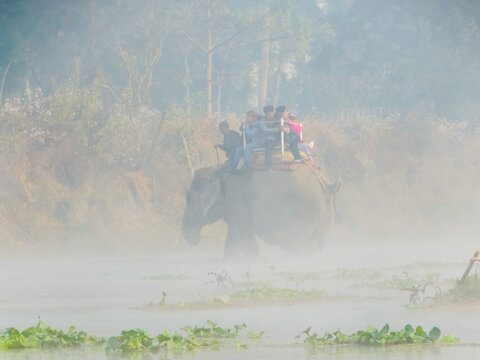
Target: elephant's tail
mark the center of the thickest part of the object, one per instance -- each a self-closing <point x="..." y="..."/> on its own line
<point x="330" y="188"/>
<point x="334" y="187"/>
<point x="337" y="217"/>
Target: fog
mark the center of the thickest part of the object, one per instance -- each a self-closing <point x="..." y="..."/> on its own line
<point x="108" y="109"/>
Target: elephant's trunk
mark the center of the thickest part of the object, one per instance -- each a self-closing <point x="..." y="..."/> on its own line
<point x="191" y="233"/>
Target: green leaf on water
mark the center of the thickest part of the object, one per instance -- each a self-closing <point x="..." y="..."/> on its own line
<point x="306" y="332"/>
<point x="384" y="330"/>
<point x="449" y="339"/>
<point x="409" y="329"/>
<point x="435" y="333"/>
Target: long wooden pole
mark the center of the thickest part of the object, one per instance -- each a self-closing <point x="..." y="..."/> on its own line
<point x="244" y="137"/>
<point x="282" y="137"/>
<point x="470" y="265"/>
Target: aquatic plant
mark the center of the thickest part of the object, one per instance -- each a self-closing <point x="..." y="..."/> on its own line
<point x="467" y="290"/>
<point x="376" y="337"/>
<point x="250" y="296"/>
<point x="194" y="338"/>
<point x="273" y="294"/>
<point x="130" y="341"/>
<point x="222" y="279"/>
<point x="255" y="336"/>
<point x="212" y="330"/>
<point x="165" y="277"/>
<point x="42" y="336"/>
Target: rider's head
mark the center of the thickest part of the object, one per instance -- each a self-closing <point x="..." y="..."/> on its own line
<point x="251" y="116"/>
<point x="224" y="127"/>
<point x="293" y="118"/>
<point x="268" y="111"/>
<point x="281" y="112"/>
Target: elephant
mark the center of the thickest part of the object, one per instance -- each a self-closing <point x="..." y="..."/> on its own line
<point x="291" y="209"/>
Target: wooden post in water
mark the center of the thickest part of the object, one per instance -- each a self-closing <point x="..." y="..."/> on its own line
<point x="470" y="265"/>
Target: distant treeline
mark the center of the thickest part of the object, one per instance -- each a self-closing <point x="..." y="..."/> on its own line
<point x="224" y="56"/>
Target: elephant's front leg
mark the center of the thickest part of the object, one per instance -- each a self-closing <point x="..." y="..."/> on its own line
<point x="240" y="240"/>
<point x="248" y="242"/>
<point x="232" y="247"/>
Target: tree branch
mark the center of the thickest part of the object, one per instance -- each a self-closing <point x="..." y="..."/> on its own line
<point x="191" y="39"/>
<point x="234" y="35"/>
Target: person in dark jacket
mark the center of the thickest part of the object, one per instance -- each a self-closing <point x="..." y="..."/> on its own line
<point x="231" y="141"/>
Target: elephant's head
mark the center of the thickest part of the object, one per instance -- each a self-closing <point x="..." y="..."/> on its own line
<point x="203" y="205"/>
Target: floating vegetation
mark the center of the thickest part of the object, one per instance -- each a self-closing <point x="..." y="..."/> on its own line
<point x="255" y="336"/>
<point x="43" y="336"/>
<point x="302" y="276"/>
<point x="466" y="291"/>
<point x="212" y="330"/>
<point x="408" y="281"/>
<point x="193" y="338"/>
<point x="130" y="341"/>
<point x="222" y="279"/>
<point x="247" y="297"/>
<point x="165" y="277"/>
<point x="269" y="294"/>
<point x="376" y="337"/>
<point x="362" y="273"/>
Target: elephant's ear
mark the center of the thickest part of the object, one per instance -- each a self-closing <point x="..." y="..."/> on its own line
<point x="210" y="192"/>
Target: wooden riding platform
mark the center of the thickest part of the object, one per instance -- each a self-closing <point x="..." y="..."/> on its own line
<point x="276" y="166"/>
<point x="279" y="162"/>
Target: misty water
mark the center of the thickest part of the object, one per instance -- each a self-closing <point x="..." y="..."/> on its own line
<point x="105" y="295"/>
<point x="107" y="109"/>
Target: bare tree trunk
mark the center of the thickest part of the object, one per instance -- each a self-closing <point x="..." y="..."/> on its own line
<point x="262" y="98"/>
<point x="209" y="60"/>
<point x="153" y="149"/>
<point x="277" y="85"/>
<point x="220" y="81"/>
<point x="93" y="36"/>
<point x="28" y="92"/>
<point x="3" y="81"/>
<point x="145" y="82"/>
<point x="188" y="80"/>
<point x="187" y="154"/>
<point x="219" y="94"/>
